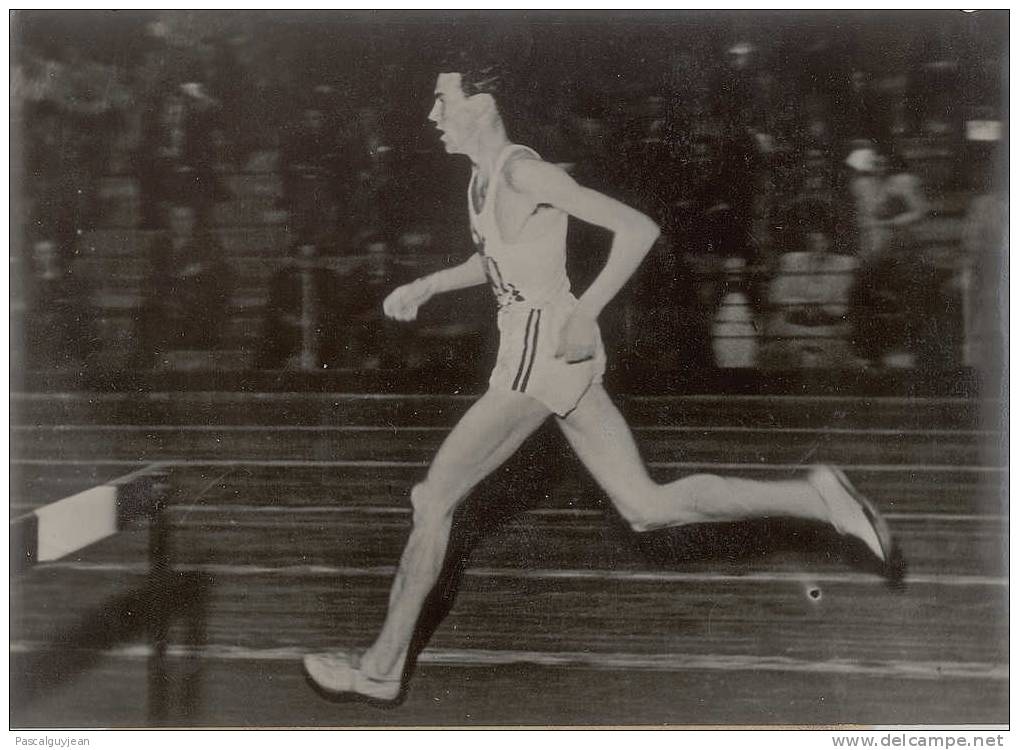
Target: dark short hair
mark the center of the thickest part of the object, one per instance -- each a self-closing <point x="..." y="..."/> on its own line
<point x="487" y="80"/>
<point x="478" y="75"/>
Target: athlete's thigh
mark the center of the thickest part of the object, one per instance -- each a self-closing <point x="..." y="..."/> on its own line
<point x="488" y="434"/>
<point x="603" y="442"/>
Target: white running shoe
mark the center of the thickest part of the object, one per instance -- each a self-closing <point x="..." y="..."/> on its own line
<point x="854" y="516"/>
<point x="338" y="675"/>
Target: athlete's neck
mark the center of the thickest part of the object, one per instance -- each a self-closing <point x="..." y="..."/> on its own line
<point x="490" y="143"/>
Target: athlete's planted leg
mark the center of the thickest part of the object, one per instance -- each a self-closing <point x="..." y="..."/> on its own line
<point x="487" y="435"/>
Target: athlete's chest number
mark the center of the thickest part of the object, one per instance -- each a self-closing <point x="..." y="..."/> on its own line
<point x="505" y="292"/>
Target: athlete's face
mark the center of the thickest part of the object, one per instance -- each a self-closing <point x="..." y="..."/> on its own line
<point x="454" y="114"/>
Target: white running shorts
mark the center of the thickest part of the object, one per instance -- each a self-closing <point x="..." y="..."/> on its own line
<point x="528" y="338"/>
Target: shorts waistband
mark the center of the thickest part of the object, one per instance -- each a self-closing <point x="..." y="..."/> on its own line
<point x="524" y="308"/>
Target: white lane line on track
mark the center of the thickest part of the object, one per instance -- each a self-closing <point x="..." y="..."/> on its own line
<point x="228" y="396"/>
<point x="395" y="429"/>
<point x="555" y="513"/>
<point x="631" y="576"/>
<point x="339" y="464"/>
<point x="668" y="662"/>
<point x="212" y="397"/>
<point x="559" y="513"/>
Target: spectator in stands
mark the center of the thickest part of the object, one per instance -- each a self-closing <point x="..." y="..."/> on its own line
<point x="75" y="103"/>
<point x="46" y="184"/>
<point x="815" y="188"/>
<point x="58" y="323"/>
<point x="737" y="87"/>
<point x="303" y="315"/>
<point x="646" y="146"/>
<point x="308" y="163"/>
<point x="161" y="157"/>
<point x="888" y="300"/>
<point x="228" y="85"/>
<point x="808" y="301"/>
<point x="367" y="158"/>
<point x="720" y="185"/>
<point x="372" y="340"/>
<point x="935" y="82"/>
<point x="178" y="157"/>
<point x="859" y="113"/>
<point x="818" y="136"/>
<point x="318" y="318"/>
<point x="186" y="304"/>
<point x="898" y="309"/>
<point x="984" y="265"/>
<point x="67" y="149"/>
<point x="888" y="198"/>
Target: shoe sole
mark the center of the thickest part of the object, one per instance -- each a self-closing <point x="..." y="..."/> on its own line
<point x="351" y="696"/>
<point x="893" y="566"/>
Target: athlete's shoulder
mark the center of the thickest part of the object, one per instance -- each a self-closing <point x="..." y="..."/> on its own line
<point x="525" y="171"/>
<point x="519" y="159"/>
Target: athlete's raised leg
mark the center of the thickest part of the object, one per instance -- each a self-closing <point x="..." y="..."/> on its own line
<point x="487" y="435"/>
<point x="603" y="442"/>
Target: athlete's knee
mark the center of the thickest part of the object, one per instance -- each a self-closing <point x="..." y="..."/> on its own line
<point x="431" y="505"/>
<point x="641" y="509"/>
<point x="645" y="520"/>
<point x="658" y="506"/>
<point x="640" y="522"/>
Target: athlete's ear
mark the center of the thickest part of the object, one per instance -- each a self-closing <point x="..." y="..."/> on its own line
<point x="484" y="102"/>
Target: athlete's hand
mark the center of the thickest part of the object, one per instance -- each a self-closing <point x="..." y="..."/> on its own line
<point x="404" y="301"/>
<point x="578" y="337"/>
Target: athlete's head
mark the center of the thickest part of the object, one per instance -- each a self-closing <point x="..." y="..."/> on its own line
<point x="467" y="101"/>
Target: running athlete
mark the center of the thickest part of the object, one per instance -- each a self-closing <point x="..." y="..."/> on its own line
<point x="550" y="362"/>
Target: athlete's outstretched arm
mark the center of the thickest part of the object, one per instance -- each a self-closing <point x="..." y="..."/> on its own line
<point x="403" y="302"/>
<point x="633" y="236"/>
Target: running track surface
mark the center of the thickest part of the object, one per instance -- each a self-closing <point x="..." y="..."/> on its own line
<point x="294" y="507"/>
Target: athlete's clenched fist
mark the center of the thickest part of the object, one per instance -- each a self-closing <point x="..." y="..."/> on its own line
<point x="404" y="301"/>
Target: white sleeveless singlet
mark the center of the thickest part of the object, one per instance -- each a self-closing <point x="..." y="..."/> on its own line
<point x="524" y="274"/>
<point x="532" y="292"/>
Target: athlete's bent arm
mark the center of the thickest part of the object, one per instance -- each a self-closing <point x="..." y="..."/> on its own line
<point x="403" y="302"/>
<point x="633" y="236"/>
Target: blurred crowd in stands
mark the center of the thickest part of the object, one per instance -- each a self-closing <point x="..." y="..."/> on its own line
<point x="816" y="212"/>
